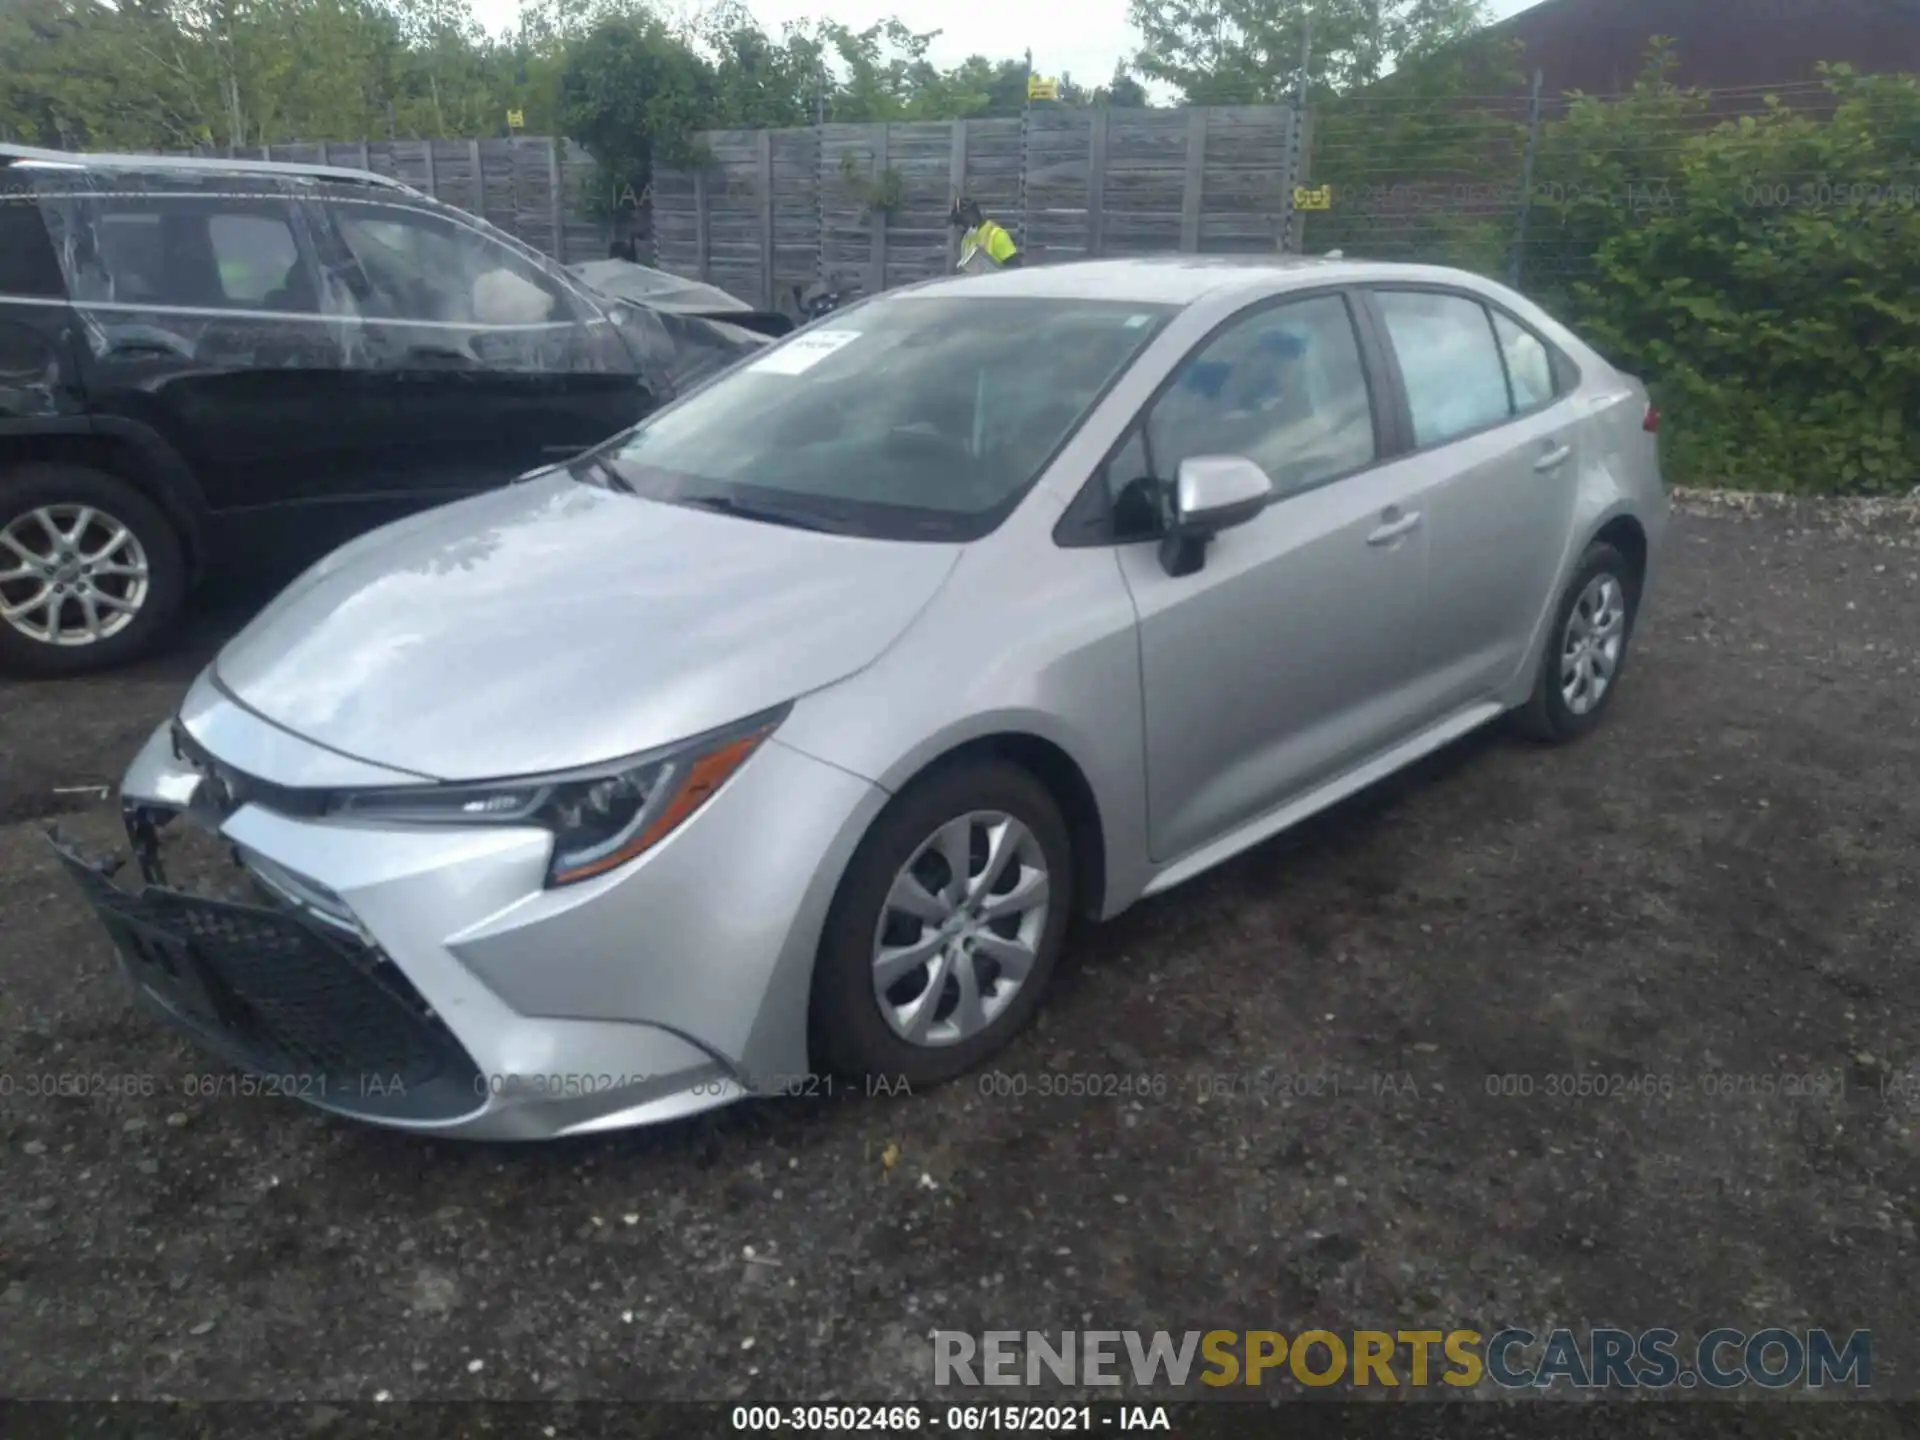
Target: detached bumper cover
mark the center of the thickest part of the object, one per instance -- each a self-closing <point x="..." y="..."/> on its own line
<point x="271" y="992"/>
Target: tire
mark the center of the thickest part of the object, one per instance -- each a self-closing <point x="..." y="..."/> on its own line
<point x="851" y="1034"/>
<point x="1549" y="716"/>
<point x="67" y="493"/>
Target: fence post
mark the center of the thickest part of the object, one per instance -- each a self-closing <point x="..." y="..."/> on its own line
<point x="1517" y="267"/>
<point x="877" y="256"/>
<point x="819" y="181"/>
<point x="555" y="210"/>
<point x="479" y="180"/>
<point x="956" y="184"/>
<point x="433" y="180"/>
<point x="1026" y="140"/>
<point x="766" y="218"/>
<point x="366" y="156"/>
<point x="1293" y="237"/>
<point x="1196" y="170"/>
<point x="1096" y="182"/>
<point x="700" y="221"/>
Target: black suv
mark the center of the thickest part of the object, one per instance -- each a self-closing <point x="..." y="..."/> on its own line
<point x="206" y="363"/>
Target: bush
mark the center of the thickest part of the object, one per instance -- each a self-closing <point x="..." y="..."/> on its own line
<point x="1774" y="307"/>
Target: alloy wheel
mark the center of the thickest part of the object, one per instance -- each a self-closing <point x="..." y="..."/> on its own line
<point x="960" y="930"/>
<point x="1590" y="649"/>
<point x="71" y="575"/>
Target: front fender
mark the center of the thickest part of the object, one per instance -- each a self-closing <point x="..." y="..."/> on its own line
<point x="1017" y="644"/>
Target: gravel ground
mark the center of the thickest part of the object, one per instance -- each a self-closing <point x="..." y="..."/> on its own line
<point x="1720" y="882"/>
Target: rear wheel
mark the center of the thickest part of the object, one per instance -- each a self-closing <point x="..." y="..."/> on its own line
<point x="1586" y="649"/>
<point x="946" y="928"/>
<point x="91" y="573"/>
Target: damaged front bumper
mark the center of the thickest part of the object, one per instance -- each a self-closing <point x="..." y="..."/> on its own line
<point x="315" y="954"/>
<point x="271" y="991"/>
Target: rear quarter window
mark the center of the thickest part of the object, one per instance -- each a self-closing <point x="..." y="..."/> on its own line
<point x="28" y="266"/>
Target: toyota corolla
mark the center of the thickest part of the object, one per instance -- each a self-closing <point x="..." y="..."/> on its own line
<point x="785" y="733"/>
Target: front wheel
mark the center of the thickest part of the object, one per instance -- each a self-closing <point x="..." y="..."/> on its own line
<point x="1586" y="649"/>
<point x="91" y="573"/>
<point x="946" y="928"/>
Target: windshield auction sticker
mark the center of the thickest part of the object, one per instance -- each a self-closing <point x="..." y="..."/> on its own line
<point x="803" y="352"/>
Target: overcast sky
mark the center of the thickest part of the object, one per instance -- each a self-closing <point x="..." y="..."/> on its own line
<point x="1082" y="38"/>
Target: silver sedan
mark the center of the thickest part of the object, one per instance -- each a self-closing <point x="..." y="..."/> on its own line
<point x="783" y="734"/>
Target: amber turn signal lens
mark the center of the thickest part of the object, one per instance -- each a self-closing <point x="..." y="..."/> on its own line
<point x="702" y="779"/>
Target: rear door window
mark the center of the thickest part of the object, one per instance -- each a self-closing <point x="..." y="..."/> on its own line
<point x="1455" y="380"/>
<point x="188" y="252"/>
<point x="254" y="255"/>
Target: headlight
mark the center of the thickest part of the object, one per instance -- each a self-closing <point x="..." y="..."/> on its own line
<point x="601" y="817"/>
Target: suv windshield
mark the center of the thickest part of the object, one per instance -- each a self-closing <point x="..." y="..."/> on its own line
<point x="903" y="418"/>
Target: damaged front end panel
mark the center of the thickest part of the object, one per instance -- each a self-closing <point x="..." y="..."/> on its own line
<point x="264" y="978"/>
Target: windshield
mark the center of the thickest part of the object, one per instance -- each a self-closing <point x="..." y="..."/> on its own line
<point x="907" y="418"/>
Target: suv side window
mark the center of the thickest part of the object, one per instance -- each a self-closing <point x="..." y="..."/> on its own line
<point x="431" y="290"/>
<point x="1284" y="387"/>
<point x="1455" y="379"/>
<point x="425" y="268"/>
<point x="254" y="255"/>
<point x="28" y="267"/>
<point x="188" y="251"/>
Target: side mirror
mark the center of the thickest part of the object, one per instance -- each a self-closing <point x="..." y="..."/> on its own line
<point x="1211" y="493"/>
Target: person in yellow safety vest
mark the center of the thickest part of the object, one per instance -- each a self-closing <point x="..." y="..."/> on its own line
<point x="985" y="245"/>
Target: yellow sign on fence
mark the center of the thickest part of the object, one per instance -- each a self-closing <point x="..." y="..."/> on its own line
<point x="1308" y="198"/>
<point x="1039" y="87"/>
<point x="516" y="119"/>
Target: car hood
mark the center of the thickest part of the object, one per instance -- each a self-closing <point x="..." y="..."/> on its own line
<point x="684" y="349"/>
<point x="553" y="623"/>
<point x="622" y="279"/>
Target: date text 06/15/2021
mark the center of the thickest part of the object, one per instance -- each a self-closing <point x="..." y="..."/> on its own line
<point x="952" y="1419"/>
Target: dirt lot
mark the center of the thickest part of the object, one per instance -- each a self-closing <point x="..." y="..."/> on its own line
<point x="1721" y="883"/>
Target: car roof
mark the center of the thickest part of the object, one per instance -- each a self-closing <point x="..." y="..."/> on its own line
<point x="194" y="165"/>
<point x="1182" y="279"/>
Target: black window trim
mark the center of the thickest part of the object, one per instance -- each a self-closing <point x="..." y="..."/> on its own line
<point x="1087" y="522"/>
<point x="1365" y="294"/>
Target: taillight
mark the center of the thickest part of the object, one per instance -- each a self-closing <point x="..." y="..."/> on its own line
<point x="1652" y="423"/>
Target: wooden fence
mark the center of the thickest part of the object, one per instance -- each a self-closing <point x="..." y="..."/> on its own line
<point x="868" y="203"/>
<point x="534" y="187"/>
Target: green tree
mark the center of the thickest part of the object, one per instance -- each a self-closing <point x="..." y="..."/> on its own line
<point x="1771" y="306"/>
<point x="635" y="95"/>
<point x="761" y="82"/>
<point x="1422" y="166"/>
<point x="1123" y="92"/>
<point x="1248" y="51"/>
<point x="244" y="73"/>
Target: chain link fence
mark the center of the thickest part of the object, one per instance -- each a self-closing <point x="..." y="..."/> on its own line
<point x="1525" y="188"/>
<point x="1752" y="253"/>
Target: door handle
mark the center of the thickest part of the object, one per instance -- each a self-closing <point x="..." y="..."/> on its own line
<point x="1554" y="458"/>
<point x="1394" y="529"/>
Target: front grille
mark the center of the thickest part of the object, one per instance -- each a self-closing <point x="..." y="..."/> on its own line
<point x="273" y="994"/>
